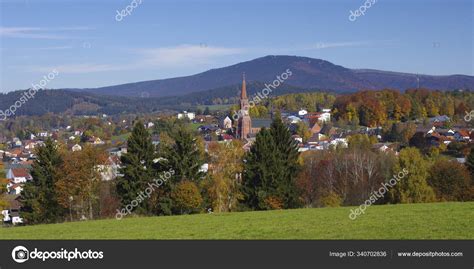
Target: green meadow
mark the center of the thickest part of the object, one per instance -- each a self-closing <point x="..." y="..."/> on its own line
<point x="451" y="220"/>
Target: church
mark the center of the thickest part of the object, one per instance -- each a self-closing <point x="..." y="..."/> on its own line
<point x="246" y="127"/>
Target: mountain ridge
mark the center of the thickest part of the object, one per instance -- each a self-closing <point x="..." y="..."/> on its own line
<point x="307" y="73"/>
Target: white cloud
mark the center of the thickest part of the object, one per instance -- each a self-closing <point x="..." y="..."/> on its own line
<point x="185" y="55"/>
<point x="326" y="45"/>
<point x="78" y="68"/>
<point x="38" y="32"/>
<point x="167" y="57"/>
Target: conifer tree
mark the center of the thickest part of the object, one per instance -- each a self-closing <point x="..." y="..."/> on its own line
<point x="184" y="156"/>
<point x="286" y="163"/>
<point x="137" y="167"/>
<point x="271" y="169"/>
<point x="38" y="198"/>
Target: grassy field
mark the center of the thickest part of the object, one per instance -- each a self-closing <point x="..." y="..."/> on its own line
<point x="413" y="221"/>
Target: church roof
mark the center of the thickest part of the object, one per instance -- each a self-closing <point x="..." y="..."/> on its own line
<point x="260" y="123"/>
<point x="243" y="94"/>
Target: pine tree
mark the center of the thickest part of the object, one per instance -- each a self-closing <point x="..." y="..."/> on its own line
<point x="137" y="167"/>
<point x="287" y="163"/>
<point x="184" y="156"/>
<point x="271" y="168"/>
<point x="258" y="174"/>
<point x="38" y="198"/>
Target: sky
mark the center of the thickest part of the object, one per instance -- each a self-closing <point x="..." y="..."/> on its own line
<point x="87" y="44"/>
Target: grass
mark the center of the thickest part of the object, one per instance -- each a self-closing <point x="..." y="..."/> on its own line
<point x="409" y="221"/>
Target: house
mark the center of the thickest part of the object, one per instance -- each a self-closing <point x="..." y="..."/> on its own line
<point x="149" y="125"/>
<point x="188" y="115"/>
<point x="43" y="134"/>
<point x="207" y="129"/>
<point x="14" y="188"/>
<point x="11" y="215"/>
<point x="439" y="120"/>
<point x="226" y="137"/>
<point x="76" y="147"/>
<point x="325" y="115"/>
<point x="30" y="144"/>
<point x="15" y="217"/>
<point x="16" y="143"/>
<point x="462" y="135"/>
<point x="293" y="119"/>
<point x="302" y="112"/>
<point x="96" y="141"/>
<point x="226" y="123"/>
<point x="316" y="129"/>
<point x="110" y="171"/>
<point x="339" y="140"/>
<point x="258" y="124"/>
<point x="297" y="138"/>
<point x="18" y="175"/>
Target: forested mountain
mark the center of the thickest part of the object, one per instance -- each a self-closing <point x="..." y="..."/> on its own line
<point x="307" y="73"/>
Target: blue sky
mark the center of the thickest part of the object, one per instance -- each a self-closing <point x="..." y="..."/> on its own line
<point x="161" y="39"/>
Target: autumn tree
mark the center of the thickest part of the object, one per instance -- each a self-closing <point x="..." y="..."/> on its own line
<point x="186" y="197"/>
<point x="79" y="181"/>
<point x="450" y="180"/>
<point x="412" y="188"/>
<point x="223" y="183"/>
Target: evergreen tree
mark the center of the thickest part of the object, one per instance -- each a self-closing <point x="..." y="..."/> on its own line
<point x="287" y="163"/>
<point x="271" y="168"/>
<point x="38" y="198"/>
<point x="137" y="167"/>
<point x="184" y="156"/>
<point x="258" y="171"/>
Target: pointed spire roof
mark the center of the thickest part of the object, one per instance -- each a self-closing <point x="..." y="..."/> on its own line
<point x="243" y="94"/>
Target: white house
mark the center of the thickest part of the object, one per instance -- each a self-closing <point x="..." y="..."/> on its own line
<point x="16" y="188"/>
<point x="325" y="116"/>
<point x="227" y="123"/>
<point x="18" y="175"/>
<point x="12" y="216"/>
<point x="185" y="114"/>
<point x="149" y="125"/>
<point x="342" y="142"/>
<point x="302" y="112"/>
<point x="76" y="147"/>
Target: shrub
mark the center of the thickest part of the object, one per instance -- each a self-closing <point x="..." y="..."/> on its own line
<point x="331" y="200"/>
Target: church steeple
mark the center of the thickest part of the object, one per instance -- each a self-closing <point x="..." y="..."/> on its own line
<point x="244" y="127"/>
<point x="243" y="94"/>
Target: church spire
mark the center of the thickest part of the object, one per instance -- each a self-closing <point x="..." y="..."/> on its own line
<point x="243" y="94"/>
